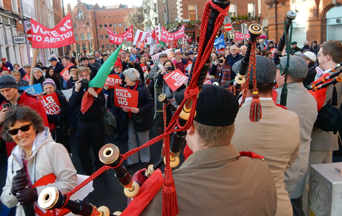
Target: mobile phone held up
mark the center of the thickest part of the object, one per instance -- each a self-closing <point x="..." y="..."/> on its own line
<point x="6" y="105"/>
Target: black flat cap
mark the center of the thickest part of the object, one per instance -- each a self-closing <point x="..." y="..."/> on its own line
<point x="216" y="106"/>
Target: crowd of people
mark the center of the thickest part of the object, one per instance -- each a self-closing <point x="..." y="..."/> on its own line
<point x="287" y="138"/>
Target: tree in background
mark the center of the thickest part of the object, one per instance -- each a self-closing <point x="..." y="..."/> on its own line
<point x="135" y="18"/>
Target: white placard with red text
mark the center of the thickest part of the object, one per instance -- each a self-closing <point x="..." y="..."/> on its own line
<point x="175" y="79"/>
<point x="51" y="104"/>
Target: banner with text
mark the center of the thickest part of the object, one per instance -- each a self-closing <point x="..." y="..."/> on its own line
<point x="35" y="89"/>
<point x="65" y="72"/>
<point x="61" y="35"/>
<point x="167" y="36"/>
<point x="51" y="104"/>
<point x="239" y="36"/>
<point x="113" y="80"/>
<point x="155" y="58"/>
<point x="26" y="77"/>
<point x="119" y="38"/>
<point x="175" y="79"/>
<point x="125" y="98"/>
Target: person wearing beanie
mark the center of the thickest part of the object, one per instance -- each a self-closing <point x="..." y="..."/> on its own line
<point x="60" y="120"/>
<point x="9" y="89"/>
<point x="140" y="119"/>
<point x="275" y="136"/>
<point x="300" y="101"/>
<point x="38" y="76"/>
<point x="216" y="169"/>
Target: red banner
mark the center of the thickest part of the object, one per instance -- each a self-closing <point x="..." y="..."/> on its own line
<point x="51" y="104"/>
<point x="119" y="38"/>
<point x="143" y="67"/>
<point x="125" y="98"/>
<point x="113" y="80"/>
<point x="166" y="36"/>
<point x="61" y="35"/>
<point x="175" y="79"/>
<point x="26" y="77"/>
<point x="140" y="45"/>
<point x="65" y="72"/>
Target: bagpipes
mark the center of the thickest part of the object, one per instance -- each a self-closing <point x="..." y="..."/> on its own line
<point x="214" y="13"/>
<point x="329" y="79"/>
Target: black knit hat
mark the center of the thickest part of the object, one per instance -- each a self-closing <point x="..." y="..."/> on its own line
<point x="216" y="106"/>
<point x="8" y="81"/>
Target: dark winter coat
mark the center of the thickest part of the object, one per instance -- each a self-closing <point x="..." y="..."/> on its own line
<point x="62" y="118"/>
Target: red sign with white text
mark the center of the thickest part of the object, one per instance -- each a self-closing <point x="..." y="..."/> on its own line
<point x="51" y="104"/>
<point x="61" y="35"/>
<point x="119" y="38"/>
<point x="125" y="98"/>
<point x="239" y="36"/>
<point x="65" y="72"/>
<point x="175" y="79"/>
<point x="140" y="45"/>
<point x="113" y="80"/>
<point x="172" y="44"/>
<point x="143" y="67"/>
<point x="26" y="77"/>
<point x="167" y="36"/>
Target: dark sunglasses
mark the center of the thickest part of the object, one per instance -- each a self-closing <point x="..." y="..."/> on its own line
<point x="23" y="129"/>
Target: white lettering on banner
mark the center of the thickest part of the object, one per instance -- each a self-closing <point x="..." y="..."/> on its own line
<point x="179" y="79"/>
<point x="51" y="107"/>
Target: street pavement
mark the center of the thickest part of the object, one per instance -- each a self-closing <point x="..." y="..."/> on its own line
<point x="107" y="189"/>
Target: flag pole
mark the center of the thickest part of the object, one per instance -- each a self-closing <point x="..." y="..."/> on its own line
<point x="34" y="62"/>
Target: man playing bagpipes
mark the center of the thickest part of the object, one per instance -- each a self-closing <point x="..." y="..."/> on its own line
<point x="274" y="136"/>
<point x="215" y="180"/>
<point x="300" y="101"/>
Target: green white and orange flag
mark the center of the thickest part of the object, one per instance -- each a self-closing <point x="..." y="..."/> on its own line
<point x="99" y="80"/>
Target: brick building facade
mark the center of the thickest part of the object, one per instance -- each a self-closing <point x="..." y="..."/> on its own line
<point x="319" y="20"/>
<point x="90" y="26"/>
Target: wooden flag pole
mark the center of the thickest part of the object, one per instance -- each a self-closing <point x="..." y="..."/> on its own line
<point x="34" y="62"/>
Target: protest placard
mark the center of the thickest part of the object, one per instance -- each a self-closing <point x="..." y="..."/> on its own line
<point x="155" y="58"/>
<point x="119" y="38"/>
<point x="26" y="77"/>
<point x="167" y="36"/>
<point x="175" y="79"/>
<point x="35" y="89"/>
<point x="125" y="98"/>
<point x="51" y="103"/>
<point x="113" y="80"/>
<point x="65" y="72"/>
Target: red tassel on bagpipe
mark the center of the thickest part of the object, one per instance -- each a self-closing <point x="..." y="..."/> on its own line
<point x="255" y="112"/>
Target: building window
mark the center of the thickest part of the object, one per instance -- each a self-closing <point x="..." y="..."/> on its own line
<point x="100" y="25"/>
<point x="119" y="15"/>
<point x="89" y="35"/>
<point x="14" y="6"/>
<point x="110" y="25"/>
<point x="84" y="46"/>
<point x="107" y="46"/>
<point x="105" y="25"/>
<point x="82" y="36"/>
<point x="251" y="10"/>
<point x="163" y="1"/>
<point x="104" y="17"/>
<point x="232" y="10"/>
<point x="75" y="17"/>
<point x="80" y="14"/>
<point x="85" y="16"/>
<point x="192" y="12"/>
<point x="114" y="24"/>
<point x="165" y="16"/>
<point x="76" y="36"/>
<point x="102" y="46"/>
<point x="101" y="36"/>
<point x="119" y="24"/>
<point x="106" y="36"/>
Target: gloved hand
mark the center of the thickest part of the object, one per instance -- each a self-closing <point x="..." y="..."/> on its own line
<point x="27" y="195"/>
<point x="19" y="182"/>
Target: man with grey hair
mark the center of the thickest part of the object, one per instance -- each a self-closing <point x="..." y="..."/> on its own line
<point x="275" y="136"/>
<point x="300" y="101"/>
<point x="243" y="50"/>
<point x="306" y="47"/>
<point x="233" y="57"/>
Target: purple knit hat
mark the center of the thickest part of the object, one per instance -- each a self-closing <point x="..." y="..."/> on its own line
<point x="49" y="81"/>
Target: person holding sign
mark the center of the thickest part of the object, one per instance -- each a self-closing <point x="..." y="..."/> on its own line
<point x="57" y="111"/>
<point x="140" y="119"/>
<point x="9" y="89"/>
<point x="168" y="67"/>
<point x="90" y="131"/>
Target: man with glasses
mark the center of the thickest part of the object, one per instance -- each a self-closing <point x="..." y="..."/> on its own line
<point x="233" y="57"/>
<point x="9" y="89"/>
<point x="85" y="63"/>
<point x="89" y="125"/>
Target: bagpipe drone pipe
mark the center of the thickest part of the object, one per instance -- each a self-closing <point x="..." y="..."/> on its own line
<point x="327" y="79"/>
<point x="213" y="16"/>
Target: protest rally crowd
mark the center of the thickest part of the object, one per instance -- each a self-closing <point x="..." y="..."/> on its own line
<point x="233" y="166"/>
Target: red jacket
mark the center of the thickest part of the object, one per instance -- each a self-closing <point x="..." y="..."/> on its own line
<point x="32" y="102"/>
